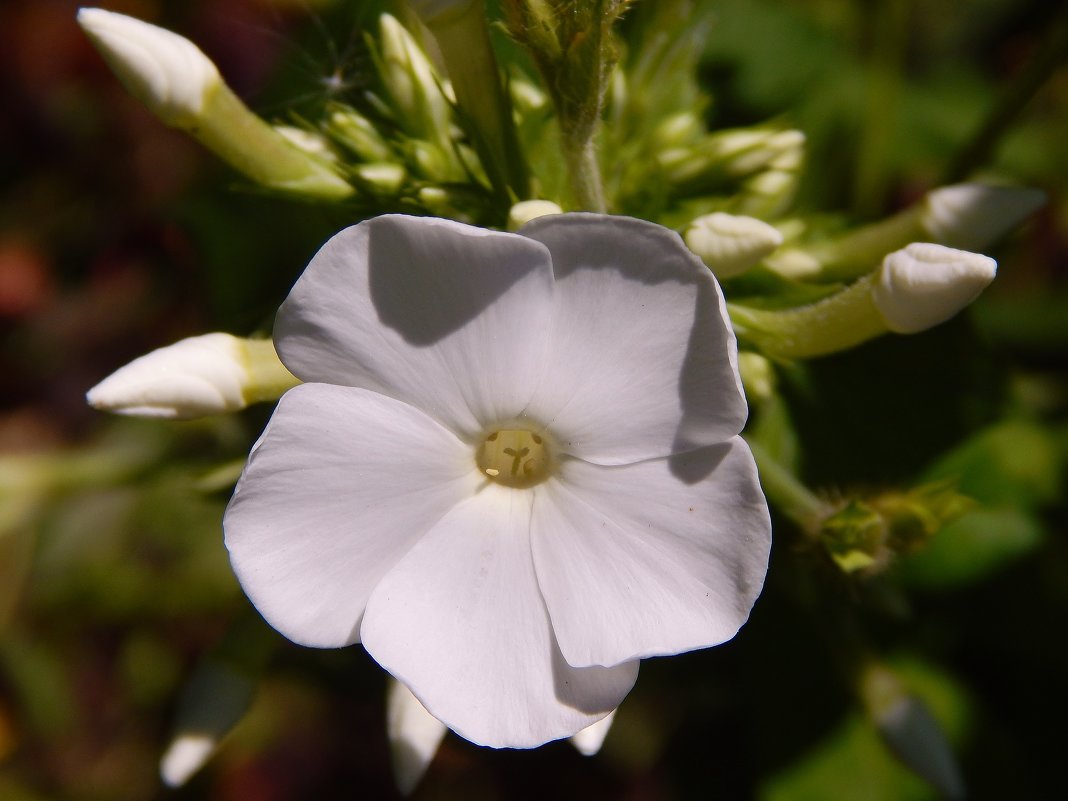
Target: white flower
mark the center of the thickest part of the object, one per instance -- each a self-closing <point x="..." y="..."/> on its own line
<point x="163" y="70"/>
<point x="924" y="284"/>
<point x="208" y="374"/>
<point x="514" y="471"/>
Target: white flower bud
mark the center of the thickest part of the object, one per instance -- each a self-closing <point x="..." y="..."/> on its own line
<point x="185" y="755"/>
<point x="209" y="374"/>
<point x="924" y="284"/>
<point x="415" y="88"/>
<point x="526" y="210"/>
<point x="414" y="736"/>
<point x="972" y="216"/>
<point x="731" y="244"/>
<point x="588" y="741"/>
<point x="163" y="70"/>
<point x="758" y="375"/>
<point x="386" y="179"/>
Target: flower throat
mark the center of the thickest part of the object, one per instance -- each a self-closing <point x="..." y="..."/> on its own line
<point x="514" y="457"/>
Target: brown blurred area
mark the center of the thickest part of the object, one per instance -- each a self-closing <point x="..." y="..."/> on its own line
<point x="93" y="268"/>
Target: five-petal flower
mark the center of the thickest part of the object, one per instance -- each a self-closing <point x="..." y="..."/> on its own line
<point x="513" y="471"/>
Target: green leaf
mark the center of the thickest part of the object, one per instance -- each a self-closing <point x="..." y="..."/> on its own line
<point x="972" y="548"/>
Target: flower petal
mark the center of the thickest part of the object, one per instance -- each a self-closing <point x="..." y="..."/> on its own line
<point x="445" y="316"/>
<point x="654" y="558"/>
<point x="327" y="504"/>
<point x="642" y="360"/>
<point x="460" y="621"/>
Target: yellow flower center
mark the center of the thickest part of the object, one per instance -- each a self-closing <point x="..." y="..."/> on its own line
<point x="515" y="457"/>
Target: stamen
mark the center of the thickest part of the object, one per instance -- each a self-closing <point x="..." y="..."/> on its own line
<point x="514" y="457"/>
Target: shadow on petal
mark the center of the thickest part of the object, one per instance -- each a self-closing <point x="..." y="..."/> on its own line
<point x="591" y="690"/>
<point x="428" y="278"/>
<point x="694" y="466"/>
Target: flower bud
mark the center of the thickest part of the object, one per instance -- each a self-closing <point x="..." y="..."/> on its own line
<point x="358" y="134"/>
<point x="381" y="178"/>
<point x="414" y="736"/>
<point x="181" y="85"/>
<point x="758" y="376"/>
<point x="729" y="244"/>
<point x="310" y="142"/>
<point x="526" y="210"/>
<point x="213" y="702"/>
<point x="209" y="374"/>
<point x="588" y="741"/>
<point x="971" y="216"/>
<point x="163" y="70"/>
<point x="414" y="87"/>
<point x="924" y="284"/>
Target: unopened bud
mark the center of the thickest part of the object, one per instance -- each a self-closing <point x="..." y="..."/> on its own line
<point x="414" y="87"/>
<point x="526" y="210"/>
<point x="209" y="374"/>
<point x="972" y="216"/>
<point x="310" y="142"/>
<point x="382" y="179"/>
<point x="589" y="741"/>
<point x="923" y="285"/>
<point x="181" y="85"/>
<point x="358" y="134"/>
<point x="729" y="244"/>
<point x="163" y="70"/>
<point x="414" y="736"/>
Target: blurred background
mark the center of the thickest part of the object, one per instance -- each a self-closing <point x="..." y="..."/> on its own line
<point x="119" y="235"/>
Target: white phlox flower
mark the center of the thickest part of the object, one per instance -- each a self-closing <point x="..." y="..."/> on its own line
<point x="513" y="469"/>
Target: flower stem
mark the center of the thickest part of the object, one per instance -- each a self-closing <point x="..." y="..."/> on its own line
<point x="584" y="173"/>
<point x="836" y="323"/>
<point x="786" y="492"/>
<point x="252" y="147"/>
<point x="1040" y="68"/>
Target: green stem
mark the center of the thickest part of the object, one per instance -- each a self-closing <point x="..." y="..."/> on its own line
<point x="1052" y="53"/>
<point x="247" y="143"/>
<point x="836" y="323"/>
<point x="881" y="104"/>
<point x="862" y="249"/>
<point x="584" y="173"/>
<point x="786" y="492"/>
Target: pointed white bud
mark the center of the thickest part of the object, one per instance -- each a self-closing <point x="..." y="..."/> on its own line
<point x="526" y="210"/>
<point x="213" y="701"/>
<point x="163" y="70"/>
<point x="185" y="755"/>
<point x="730" y="244"/>
<point x="414" y="736"/>
<point x="972" y="216"/>
<point x="923" y="285"/>
<point x="588" y="741"/>
<point x="417" y="91"/>
<point x="209" y="374"/>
